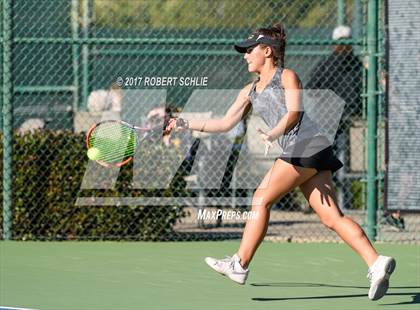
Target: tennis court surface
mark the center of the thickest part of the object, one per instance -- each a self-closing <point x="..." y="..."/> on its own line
<point x="166" y="275"/>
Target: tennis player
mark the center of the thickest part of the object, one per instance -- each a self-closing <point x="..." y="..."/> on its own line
<point x="307" y="159"/>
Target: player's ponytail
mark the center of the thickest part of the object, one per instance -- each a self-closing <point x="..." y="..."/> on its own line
<point x="277" y="33"/>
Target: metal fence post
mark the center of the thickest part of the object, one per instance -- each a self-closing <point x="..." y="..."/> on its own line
<point x="341" y="12"/>
<point x="357" y="19"/>
<point x="7" y="119"/>
<point x="372" y="30"/>
<point x="75" y="52"/>
<point x="85" y="52"/>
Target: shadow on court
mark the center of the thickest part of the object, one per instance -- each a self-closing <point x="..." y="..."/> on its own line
<point x="305" y="284"/>
<point x="415" y="295"/>
<point x="416" y="298"/>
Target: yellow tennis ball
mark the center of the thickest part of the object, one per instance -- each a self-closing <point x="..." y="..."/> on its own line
<point x="93" y="153"/>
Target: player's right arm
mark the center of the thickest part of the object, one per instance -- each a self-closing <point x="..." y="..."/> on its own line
<point x="234" y="114"/>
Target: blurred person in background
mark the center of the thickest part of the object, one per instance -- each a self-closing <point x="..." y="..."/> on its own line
<point x="342" y="72"/>
<point x="101" y="100"/>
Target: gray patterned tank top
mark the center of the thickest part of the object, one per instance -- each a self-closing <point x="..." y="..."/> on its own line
<point x="270" y="105"/>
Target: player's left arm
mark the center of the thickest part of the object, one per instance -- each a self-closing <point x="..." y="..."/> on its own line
<point x="293" y="98"/>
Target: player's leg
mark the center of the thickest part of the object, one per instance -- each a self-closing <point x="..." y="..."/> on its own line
<point x="279" y="180"/>
<point x="319" y="191"/>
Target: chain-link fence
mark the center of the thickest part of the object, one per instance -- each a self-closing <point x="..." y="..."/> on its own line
<point x="73" y="63"/>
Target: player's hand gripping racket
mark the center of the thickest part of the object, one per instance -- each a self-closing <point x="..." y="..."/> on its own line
<point x="114" y="142"/>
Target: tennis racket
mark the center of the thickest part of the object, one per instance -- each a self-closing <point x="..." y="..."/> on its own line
<point x="113" y="143"/>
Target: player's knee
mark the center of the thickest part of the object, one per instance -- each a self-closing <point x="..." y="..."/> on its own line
<point x="260" y="205"/>
<point x="260" y="202"/>
<point x="330" y="221"/>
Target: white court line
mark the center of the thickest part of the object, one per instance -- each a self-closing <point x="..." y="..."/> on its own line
<point x="336" y="260"/>
<point x="11" y="308"/>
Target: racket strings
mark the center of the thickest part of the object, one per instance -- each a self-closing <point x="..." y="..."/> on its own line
<point x="114" y="141"/>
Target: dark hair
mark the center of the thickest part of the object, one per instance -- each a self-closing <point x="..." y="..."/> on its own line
<point x="276" y="32"/>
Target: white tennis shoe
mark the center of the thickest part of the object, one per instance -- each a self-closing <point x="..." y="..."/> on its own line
<point x="379" y="274"/>
<point x="229" y="267"/>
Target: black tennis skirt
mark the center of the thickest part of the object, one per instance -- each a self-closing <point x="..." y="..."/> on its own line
<point x="321" y="155"/>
